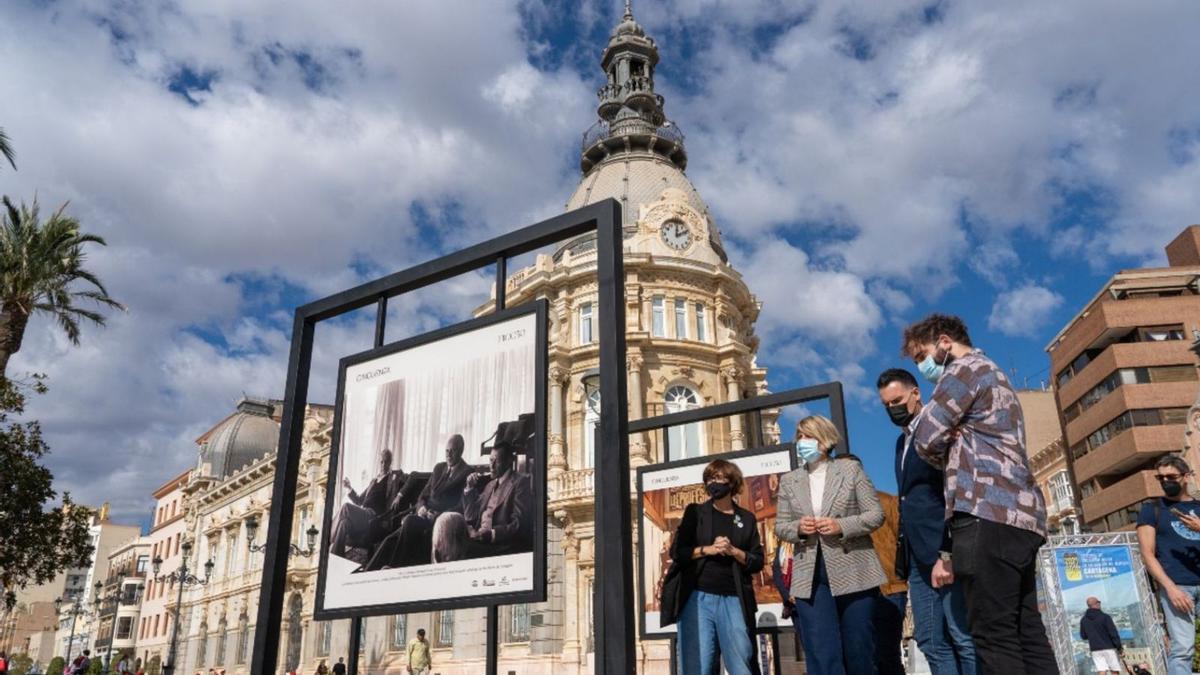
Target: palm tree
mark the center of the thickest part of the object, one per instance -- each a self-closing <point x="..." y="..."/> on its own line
<point x="7" y="151"/>
<point x="40" y="265"/>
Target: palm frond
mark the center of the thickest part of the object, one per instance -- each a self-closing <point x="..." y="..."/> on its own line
<point x="7" y="150"/>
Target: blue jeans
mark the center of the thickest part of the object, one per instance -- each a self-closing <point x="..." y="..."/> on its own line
<point x="889" y="631"/>
<point x="713" y="629"/>
<point x="838" y="633"/>
<point x="940" y="624"/>
<point x="1181" y="629"/>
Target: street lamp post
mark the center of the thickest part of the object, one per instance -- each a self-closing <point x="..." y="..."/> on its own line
<point x="183" y="577"/>
<point x="310" y="534"/>
<point x="77" y="610"/>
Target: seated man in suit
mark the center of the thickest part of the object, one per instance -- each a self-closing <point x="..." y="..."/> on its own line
<point x="411" y="543"/>
<point x="362" y="521"/>
<point x="497" y="521"/>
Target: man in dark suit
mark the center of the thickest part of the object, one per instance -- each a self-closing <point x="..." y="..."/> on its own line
<point x="497" y="521"/>
<point x="411" y="543"/>
<point x="939" y="613"/>
<point x="361" y="522"/>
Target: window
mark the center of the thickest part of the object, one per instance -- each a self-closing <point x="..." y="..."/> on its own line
<point x="1160" y="333"/>
<point x="681" y="319"/>
<point x="399" y="632"/>
<point x="588" y="599"/>
<point x="202" y="648"/>
<point x="1148" y="375"/>
<point x="142" y="562"/>
<point x="222" y="635"/>
<point x="659" y="314"/>
<point x="686" y="440"/>
<point x="585" y="323"/>
<point x="325" y="638"/>
<point x="1126" y="420"/>
<point x="445" y="628"/>
<point x="124" y="628"/>
<point x="591" y="420"/>
<point x="243" y="643"/>
<point x="518" y="623"/>
<point x="1060" y="491"/>
<point x="701" y="329"/>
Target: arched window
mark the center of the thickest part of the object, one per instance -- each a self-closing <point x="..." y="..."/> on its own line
<point x="325" y="638"/>
<point x="591" y="420"/>
<point x="243" y="638"/>
<point x="222" y="638"/>
<point x="202" y="648"/>
<point x="686" y="440"/>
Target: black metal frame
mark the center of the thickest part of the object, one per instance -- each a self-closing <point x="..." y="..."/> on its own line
<point x="540" y="311"/>
<point x="641" y="513"/>
<point x="615" y="653"/>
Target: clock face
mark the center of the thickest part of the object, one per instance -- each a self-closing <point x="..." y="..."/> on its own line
<point x="676" y="235"/>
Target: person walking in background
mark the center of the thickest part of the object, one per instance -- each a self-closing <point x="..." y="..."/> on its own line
<point x="1103" y="639"/>
<point x="339" y="668"/>
<point x="892" y="602"/>
<point x="923" y="550"/>
<point x="715" y="551"/>
<point x="419" y="660"/>
<point x="1170" y="547"/>
<point x="82" y="663"/>
<point x="974" y="429"/>
<point x="828" y="509"/>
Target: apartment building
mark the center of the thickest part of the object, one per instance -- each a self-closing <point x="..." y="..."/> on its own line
<point x="1125" y="378"/>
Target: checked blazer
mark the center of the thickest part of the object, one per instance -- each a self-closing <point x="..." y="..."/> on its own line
<point x="851" y="500"/>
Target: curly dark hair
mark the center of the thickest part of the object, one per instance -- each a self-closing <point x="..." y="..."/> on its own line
<point x="927" y="331"/>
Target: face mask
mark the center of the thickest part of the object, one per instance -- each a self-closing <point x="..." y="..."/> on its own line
<point x="717" y="490"/>
<point x="1172" y="488"/>
<point x="933" y="368"/>
<point x="900" y="414"/>
<point x="808" y="450"/>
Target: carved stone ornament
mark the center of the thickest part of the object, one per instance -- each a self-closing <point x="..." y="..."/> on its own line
<point x="675" y="211"/>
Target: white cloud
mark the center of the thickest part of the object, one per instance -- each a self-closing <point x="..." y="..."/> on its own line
<point x="1024" y="311"/>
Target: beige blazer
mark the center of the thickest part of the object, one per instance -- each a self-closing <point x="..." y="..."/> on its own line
<point x="851" y="500"/>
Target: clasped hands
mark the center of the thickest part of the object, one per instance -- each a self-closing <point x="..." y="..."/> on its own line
<point x="818" y="525"/>
<point x="720" y="546"/>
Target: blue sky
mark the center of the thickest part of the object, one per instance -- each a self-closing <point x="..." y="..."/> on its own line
<point x="867" y="163"/>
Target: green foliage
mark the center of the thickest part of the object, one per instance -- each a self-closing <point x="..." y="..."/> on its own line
<point x="18" y="664"/>
<point x="56" y="666"/>
<point x="58" y="537"/>
<point x="42" y="270"/>
<point x="6" y="150"/>
<point x="96" y="666"/>
<point x="154" y="665"/>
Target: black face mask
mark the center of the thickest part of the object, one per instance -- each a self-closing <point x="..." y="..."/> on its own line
<point x="717" y="490"/>
<point x="900" y="414"/>
<point x="1172" y="488"/>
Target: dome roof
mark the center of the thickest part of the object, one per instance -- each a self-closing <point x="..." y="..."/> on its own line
<point x="634" y="181"/>
<point x="245" y="437"/>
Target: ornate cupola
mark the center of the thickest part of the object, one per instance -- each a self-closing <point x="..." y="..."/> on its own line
<point x="631" y="113"/>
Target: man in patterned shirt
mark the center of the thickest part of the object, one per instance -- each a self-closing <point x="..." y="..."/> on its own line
<point x="974" y="428"/>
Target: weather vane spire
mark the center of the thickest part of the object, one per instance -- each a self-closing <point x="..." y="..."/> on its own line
<point x="628" y="9"/>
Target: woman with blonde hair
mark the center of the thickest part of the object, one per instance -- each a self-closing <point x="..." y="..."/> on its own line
<point x="828" y="509"/>
<point x="709" y="590"/>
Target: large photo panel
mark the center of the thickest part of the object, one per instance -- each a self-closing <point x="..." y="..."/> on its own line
<point x="437" y="485"/>
<point x="665" y="490"/>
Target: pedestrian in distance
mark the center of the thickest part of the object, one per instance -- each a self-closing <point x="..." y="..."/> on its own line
<point x="827" y="509"/>
<point x="708" y="590"/>
<point x="1103" y="639"/>
<point x="419" y="659"/>
<point x="973" y="428"/>
<point x="923" y="552"/>
<point x="339" y="668"/>
<point x="1168" y="531"/>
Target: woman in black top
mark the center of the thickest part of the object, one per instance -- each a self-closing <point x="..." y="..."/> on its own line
<point x="715" y="550"/>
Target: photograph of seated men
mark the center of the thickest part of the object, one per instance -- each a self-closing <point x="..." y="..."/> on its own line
<point x="412" y="543"/>
<point x="497" y="520"/>
<point x="368" y="517"/>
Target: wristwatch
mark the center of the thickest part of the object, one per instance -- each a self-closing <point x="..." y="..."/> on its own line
<point x="945" y="556"/>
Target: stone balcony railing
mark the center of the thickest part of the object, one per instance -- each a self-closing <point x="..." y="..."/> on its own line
<point x="572" y="485"/>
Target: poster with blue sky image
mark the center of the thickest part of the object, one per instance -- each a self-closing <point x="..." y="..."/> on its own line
<point x="1107" y="573"/>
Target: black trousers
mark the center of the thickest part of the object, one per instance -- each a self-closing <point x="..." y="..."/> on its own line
<point x="997" y="565"/>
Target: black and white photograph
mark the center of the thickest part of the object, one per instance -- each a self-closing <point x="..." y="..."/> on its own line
<point x="437" y="489"/>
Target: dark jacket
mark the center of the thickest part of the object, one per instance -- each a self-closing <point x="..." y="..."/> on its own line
<point x="512" y="518"/>
<point x="380" y="492"/>
<point x="696" y="530"/>
<point x="1099" y="630"/>
<point x="922" y="507"/>
<point x="444" y="490"/>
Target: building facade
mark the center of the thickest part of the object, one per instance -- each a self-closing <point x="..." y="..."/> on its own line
<point x="121" y="594"/>
<point x="1125" y="379"/>
<point x="1048" y="459"/>
<point x="165" y="540"/>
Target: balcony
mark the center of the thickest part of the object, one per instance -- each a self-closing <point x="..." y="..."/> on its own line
<point x="1127" y="491"/>
<point x="572" y="487"/>
<point x="1124" y="355"/>
<point x="1129" y="449"/>
<point x="1156" y="395"/>
<point x="603" y="139"/>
